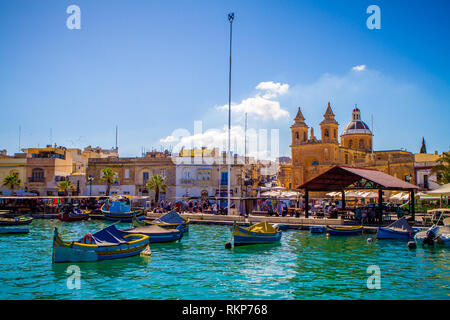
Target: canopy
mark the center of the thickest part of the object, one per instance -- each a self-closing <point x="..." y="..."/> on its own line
<point x="402" y="224"/>
<point x="341" y="177"/>
<point x="108" y="236"/>
<point x="171" y="218"/>
<point x="442" y="191"/>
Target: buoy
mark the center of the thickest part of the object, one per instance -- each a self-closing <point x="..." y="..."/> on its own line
<point x="412" y="245"/>
<point x="369" y="240"/>
<point x="146" y="252"/>
<point x="228" y="245"/>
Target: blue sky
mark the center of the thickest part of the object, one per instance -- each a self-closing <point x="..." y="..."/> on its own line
<point x="154" y="67"/>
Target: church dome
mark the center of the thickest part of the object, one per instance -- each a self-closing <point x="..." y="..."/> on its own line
<point x="356" y="126"/>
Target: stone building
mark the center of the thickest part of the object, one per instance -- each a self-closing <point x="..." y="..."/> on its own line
<point x="132" y="174"/>
<point x="15" y="164"/>
<point x="312" y="156"/>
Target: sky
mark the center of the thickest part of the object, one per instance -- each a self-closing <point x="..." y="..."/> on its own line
<point x="159" y="71"/>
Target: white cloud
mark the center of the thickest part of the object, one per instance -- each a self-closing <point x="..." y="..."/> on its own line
<point x="361" y="67"/>
<point x="168" y="139"/>
<point x="261" y="105"/>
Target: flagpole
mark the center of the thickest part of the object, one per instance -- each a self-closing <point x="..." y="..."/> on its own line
<point x="230" y="19"/>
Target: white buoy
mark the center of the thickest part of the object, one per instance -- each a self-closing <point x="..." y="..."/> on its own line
<point x="369" y="240"/>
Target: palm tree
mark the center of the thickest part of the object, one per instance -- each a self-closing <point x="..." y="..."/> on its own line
<point x="442" y="170"/>
<point x="12" y="181"/>
<point x="157" y="184"/>
<point x="65" y="186"/>
<point x="110" y="177"/>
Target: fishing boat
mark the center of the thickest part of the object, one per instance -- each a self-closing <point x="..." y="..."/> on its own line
<point x="259" y="233"/>
<point x="17" y="221"/>
<point x="156" y="233"/>
<point x="171" y="220"/>
<point x="317" y="229"/>
<point x="108" y="243"/>
<point x="436" y="234"/>
<point x="344" y="230"/>
<point x="400" y="229"/>
<point x="73" y="213"/>
<point x="118" y="208"/>
<point x="9" y="230"/>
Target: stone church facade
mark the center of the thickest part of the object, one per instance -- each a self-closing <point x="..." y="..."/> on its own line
<point x="312" y="155"/>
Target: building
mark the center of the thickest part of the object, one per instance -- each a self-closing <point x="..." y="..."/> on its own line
<point x="13" y="165"/>
<point x="205" y="174"/>
<point x="423" y="163"/>
<point x="132" y="174"/>
<point x="312" y="156"/>
<point x="46" y="167"/>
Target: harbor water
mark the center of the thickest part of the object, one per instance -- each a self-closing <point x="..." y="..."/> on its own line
<point x="302" y="266"/>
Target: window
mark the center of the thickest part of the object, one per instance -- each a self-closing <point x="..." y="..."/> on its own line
<point x="315" y="163"/>
<point x="37" y="174"/>
<point x="361" y="144"/>
<point x="224" y="178"/>
<point x="327" y="134"/>
<point x="187" y="174"/>
<point x="127" y="173"/>
<point x="297" y="135"/>
<point x="350" y="143"/>
<point x="162" y="173"/>
<point x="425" y="181"/>
<point x="145" y="176"/>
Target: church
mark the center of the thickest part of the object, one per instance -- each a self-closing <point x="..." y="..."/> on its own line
<point x="313" y="155"/>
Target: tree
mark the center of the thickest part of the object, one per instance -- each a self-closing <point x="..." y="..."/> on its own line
<point x="12" y="181"/>
<point x="442" y="170"/>
<point x="65" y="186"/>
<point x="157" y="184"/>
<point x="110" y="177"/>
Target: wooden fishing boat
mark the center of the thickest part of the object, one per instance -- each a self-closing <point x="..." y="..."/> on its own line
<point x="259" y="233"/>
<point x="73" y="213"/>
<point x="9" y="230"/>
<point x="317" y="229"/>
<point x="17" y="221"/>
<point x="108" y="243"/>
<point x="156" y="233"/>
<point x="344" y="230"/>
<point x="171" y="220"/>
<point x="119" y="209"/>
<point x="400" y="229"/>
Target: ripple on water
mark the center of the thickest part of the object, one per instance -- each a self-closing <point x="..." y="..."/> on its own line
<point x="301" y="266"/>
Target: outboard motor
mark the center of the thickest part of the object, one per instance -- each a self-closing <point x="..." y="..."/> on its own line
<point x="431" y="236"/>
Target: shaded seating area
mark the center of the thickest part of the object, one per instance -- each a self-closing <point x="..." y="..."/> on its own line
<point x="344" y="178"/>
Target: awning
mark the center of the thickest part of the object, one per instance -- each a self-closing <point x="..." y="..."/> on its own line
<point x="342" y="177"/>
<point x="442" y="191"/>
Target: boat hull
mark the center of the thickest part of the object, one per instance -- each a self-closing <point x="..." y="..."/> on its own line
<point x="4" y="230"/>
<point x="242" y="236"/>
<point x="344" y="231"/>
<point x="123" y="216"/>
<point x="386" y="233"/>
<point x="73" y="217"/>
<point x="156" y="234"/>
<point x="19" y="221"/>
<point x="64" y="251"/>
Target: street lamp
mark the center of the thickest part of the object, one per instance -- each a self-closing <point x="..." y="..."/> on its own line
<point x="90" y="180"/>
<point x="230" y="19"/>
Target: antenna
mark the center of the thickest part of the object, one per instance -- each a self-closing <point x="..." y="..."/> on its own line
<point x="245" y="138"/>
<point x="117" y="127"/>
<point x="51" y="139"/>
<point x="372" y="133"/>
<point x="20" y="129"/>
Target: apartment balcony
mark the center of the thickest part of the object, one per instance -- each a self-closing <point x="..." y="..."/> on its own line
<point x="36" y="179"/>
<point x="187" y="181"/>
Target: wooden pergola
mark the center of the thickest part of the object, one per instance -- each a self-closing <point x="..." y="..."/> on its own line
<point x="342" y="178"/>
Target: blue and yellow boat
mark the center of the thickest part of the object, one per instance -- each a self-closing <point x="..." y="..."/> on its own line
<point x="344" y="230"/>
<point x="171" y="220"/>
<point x="108" y="243"/>
<point x="17" y="221"/>
<point x="118" y="208"/>
<point x="259" y="233"/>
<point x="156" y="233"/>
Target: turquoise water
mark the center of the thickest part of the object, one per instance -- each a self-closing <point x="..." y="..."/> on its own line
<point x="302" y="266"/>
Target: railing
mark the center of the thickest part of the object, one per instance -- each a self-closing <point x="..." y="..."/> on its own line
<point x="36" y="179"/>
<point x="187" y="181"/>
